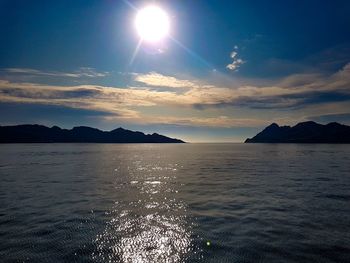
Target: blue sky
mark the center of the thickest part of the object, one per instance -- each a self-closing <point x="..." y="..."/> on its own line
<point x="228" y="69"/>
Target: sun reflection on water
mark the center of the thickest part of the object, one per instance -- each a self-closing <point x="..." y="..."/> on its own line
<point x="149" y="222"/>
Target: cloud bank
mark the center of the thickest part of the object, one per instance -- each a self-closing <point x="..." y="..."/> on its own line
<point x="125" y="103"/>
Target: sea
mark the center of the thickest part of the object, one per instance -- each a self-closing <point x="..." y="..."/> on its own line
<point x="174" y="203"/>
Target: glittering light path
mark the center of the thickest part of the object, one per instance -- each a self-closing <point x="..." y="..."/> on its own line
<point x="150" y="224"/>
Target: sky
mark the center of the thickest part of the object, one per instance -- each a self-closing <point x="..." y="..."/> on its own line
<point x="226" y="70"/>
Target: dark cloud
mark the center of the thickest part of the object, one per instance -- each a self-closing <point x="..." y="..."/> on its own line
<point x="338" y="117"/>
<point x="288" y="101"/>
<point x="47" y="94"/>
<point x="19" y="113"/>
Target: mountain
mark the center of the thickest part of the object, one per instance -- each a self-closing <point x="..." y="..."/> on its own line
<point x="42" y="134"/>
<point x="304" y="132"/>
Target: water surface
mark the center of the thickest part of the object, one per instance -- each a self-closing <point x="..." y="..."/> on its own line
<point x="174" y="203"/>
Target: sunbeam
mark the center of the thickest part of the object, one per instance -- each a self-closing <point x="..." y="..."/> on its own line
<point x="136" y="51"/>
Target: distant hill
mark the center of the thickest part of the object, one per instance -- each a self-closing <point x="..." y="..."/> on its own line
<point x="304" y="132"/>
<point x="43" y="134"/>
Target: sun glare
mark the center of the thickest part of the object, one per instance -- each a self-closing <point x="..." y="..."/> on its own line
<point x="152" y="24"/>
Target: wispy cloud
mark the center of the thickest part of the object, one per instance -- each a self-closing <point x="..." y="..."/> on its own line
<point x="237" y="62"/>
<point x="159" y="80"/>
<point x="220" y="121"/>
<point x="82" y="72"/>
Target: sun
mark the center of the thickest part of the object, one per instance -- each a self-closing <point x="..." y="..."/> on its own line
<point x="152" y="24"/>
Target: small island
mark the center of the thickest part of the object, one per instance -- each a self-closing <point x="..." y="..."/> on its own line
<point x="42" y="134"/>
<point x="304" y="132"/>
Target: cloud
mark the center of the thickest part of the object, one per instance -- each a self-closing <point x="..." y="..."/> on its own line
<point x="220" y="121"/>
<point x="118" y="102"/>
<point x="82" y="72"/>
<point x="236" y="63"/>
<point x="159" y="80"/>
<point x="326" y="118"/>
<point x="88" y="97"/>
<point x="299" y="90"/>
<point x="292" y="92"/>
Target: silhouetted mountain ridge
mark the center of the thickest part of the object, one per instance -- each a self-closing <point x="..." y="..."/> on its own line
<point x="34" y="133"/>
<point x="303" y="132"/>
